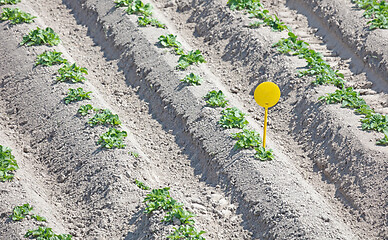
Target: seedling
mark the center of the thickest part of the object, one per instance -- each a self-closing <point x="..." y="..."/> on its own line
<point x="192" y="57"/>
<point x="365" y="110"/>
<point x="170" y="41"/>
<point x="20" y="212"/>
<point x="246" y="139"/>
<point x="3" y="2"/>
<point x="41" y="37"/>
<point x="45" y="233"/>
<point x="243" y="4"/>
<point x="181" y="214"/>
<point x="84" y="109"/>
<point x="216" y="99"/>
<point x="347" y="97"/>
<point x="233" y="118"/>
<point x="141" y="185"/>
<point x="186" y="232"/>
<point x="160" y="199"/>
<point x="384" y="140"/>
<point x="16" y="16"/>
<point x="7" y="164"/>
<point x="123" y="3"/>
<point x="263" y="154"/>
<point x="113" y="138"/>
<point x="375" y="122"/>
<point x="376" y="10"/>
<point x="138" y="7"/>
<point x="49" y="58"/>
<point x="192" y="79"/>
<point x="39" y="218"/>
<point x="144" y="21"/>
<point x="75" y="95"/>
<point x="134" y="154"/>
<point x="72" y="73"/>
<point x="104" y="117"/>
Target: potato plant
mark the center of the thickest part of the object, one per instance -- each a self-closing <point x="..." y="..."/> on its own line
<point x="104" y="117"/>
<point x="113" y="138"/>
<point x="49" y="58"/>
<point x="8" y="164"/>
<point x="45" y="233"/>
<point x="145" y="21"/>
<point x="141" y="185"/>
<point x="192" y="79"/>
<point x="16" y="16"/>
<point x="72" y="73"/>
<point x="20" y="212"/>
<point x="264" y="154"/>
<point x="186" y="232"/>
<point x="190" y="58"/>
<point x="4" y="2"/>
<point x="376" y="10"/>
<point x="170" y="41"/>
<point x="75" y="95"/>
<point x="233" y="118"/>
<point x="216" y="99"/>
<point x="85" y="109"/>
<point x="246" y="139"/>
<point x="39" y="37"/>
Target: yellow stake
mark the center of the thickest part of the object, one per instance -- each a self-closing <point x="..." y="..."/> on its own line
<point x="265" y="126"/>
<point x="267" y="94"/>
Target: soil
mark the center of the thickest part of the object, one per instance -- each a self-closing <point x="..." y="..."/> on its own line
<point x="328" y="181"/>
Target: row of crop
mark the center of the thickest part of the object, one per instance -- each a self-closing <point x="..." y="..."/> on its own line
<point x="375" y="10"/>
<point x="322" y="71"/>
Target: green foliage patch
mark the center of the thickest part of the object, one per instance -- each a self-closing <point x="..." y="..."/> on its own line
<point x="376" y="10"/>
<point x="264" y="154"/>
<point x="8" y="164"/>
<point x="104" y="117"/>
<point x="4" y="2"/>
<point x="192" y="79"/>
<point x="16" y="16"/>
<point x="216" y="99"/>
<point x="75" y="95"/>
<point x="45" y="233"/>
<point x="85" y="109"/>
<point x="346" y="96"/>
<point x="113" y="138"/>
<point x="72" y="73"/>
<point x="39" y="37"/>
<point x="20" y="212"/>
<point x="186" y="232"/>
<point x="233" y="118"/>
<point x="160" y="199"/>
<point x="141" y="185"/>
<point x="246" y="139"/>
<point x="171" y="41"/>
<point x="190" y="58"/>
<point x="145" y="21"/>
<point x="49" y="58"/>
<point x="184" y="216"/>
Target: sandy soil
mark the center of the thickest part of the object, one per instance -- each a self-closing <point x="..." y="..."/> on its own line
<point x="328" y="180"/>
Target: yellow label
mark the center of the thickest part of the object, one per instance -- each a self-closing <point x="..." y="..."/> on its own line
<point x="267" y="94"/>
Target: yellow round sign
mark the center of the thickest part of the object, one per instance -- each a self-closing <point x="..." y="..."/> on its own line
<point x="267" y="94"/>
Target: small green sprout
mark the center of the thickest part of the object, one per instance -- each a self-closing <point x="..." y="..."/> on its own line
<point x="16" y="16"/>
<point x="75" y="95"/>
<point x="141" y="185"/>
<point x="41" y="37"/>
<point x="20" y="212"/>
<point x="263" y="154"/>
<point x="113" y="138"/>
<point x="233" y="118"/>
<point x="246" y="139"/>
<point x="216" y="99"/>
<point x="192" y="79"/>
<point x="49" y="58"/>
<point x="8" y="164"/>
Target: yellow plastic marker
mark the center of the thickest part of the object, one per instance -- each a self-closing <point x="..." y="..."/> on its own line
<point x="267" y="94"/>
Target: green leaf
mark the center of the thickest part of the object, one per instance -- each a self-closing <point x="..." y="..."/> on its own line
<point x="8" y="164"/>
<point x="233" y="118"/>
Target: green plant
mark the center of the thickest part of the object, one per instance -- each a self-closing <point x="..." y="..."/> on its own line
<point x="243" y="4"/>
<point x="144" y="21"/>
<point x="192" y="79"/>
<point x="84" y="109"/>
<point x="233" y="118"/>
<point x="134" y="154"/>
<point x="123" y="3"/>
<point x="141" y="185"/>
<point x="113" y="138"/>
<point x="3" y="2"/>
<point x="216" y="99"/>
<point x="39" y="218"/>
<point x="246" y="139"/>
<point x="186" y="232"/>
<point x="49" y="58"/>
<point x="346" y="96"/>
<point x="20" y="212"/>
<point x="190" y="58"/>
<point x="45" y="233"/>
<point x="16" y="16"/>
<point x="271" y="21"/>
<point x="160" y="199"/>
<point x="375" y="122"/>
<point x="75" y="95"/>
<point x="170" y="41"/>
<point x="377" y="10"/>
<point x="41" y="37"/>
<point x="72" y="73"/>
<point x="263" y="154"/>
<point x="138" y="7"/>
<point x="104" y="116"/>
<point x="7" y="164"/>
<point x="364" y="109"/>
<point x="181" y="214"/>
<point x="384" y="140"/>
